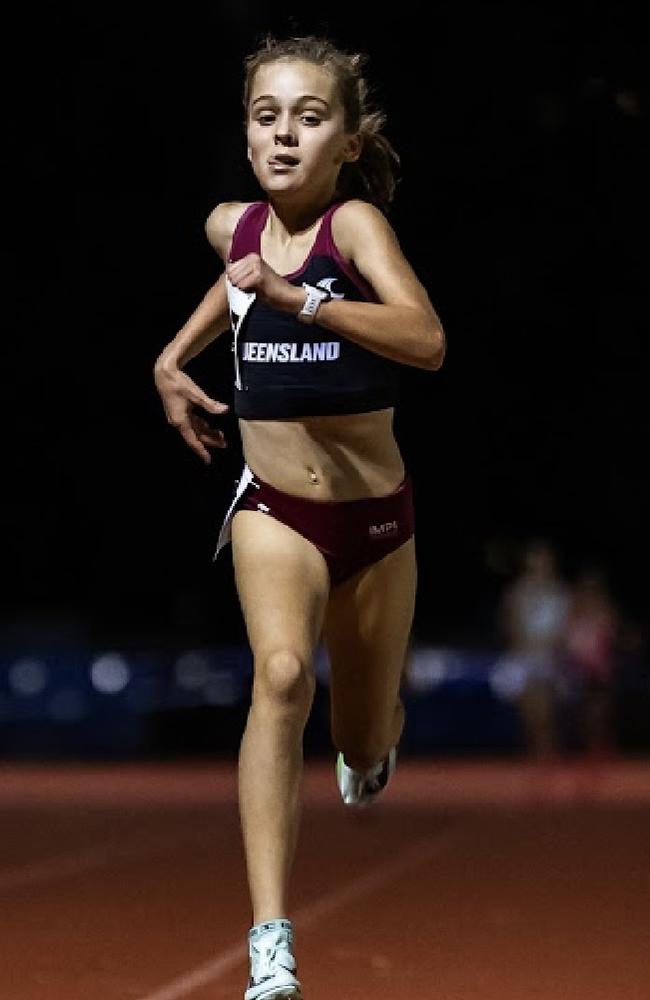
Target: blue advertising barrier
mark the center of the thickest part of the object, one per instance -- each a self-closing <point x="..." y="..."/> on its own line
<point x="85" y="703"/>
<point x="88" y="703"/>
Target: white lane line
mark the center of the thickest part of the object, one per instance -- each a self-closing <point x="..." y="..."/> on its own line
<point x="307" y="915"/>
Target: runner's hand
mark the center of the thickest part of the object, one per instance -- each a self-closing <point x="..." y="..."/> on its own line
<point x="252" y="274"/>
<point x="180" y="397"/>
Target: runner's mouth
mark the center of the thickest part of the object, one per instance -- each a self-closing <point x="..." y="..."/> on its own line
<point x="283" y="160"/>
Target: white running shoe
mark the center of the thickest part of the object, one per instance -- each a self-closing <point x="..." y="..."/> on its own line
<point x="359" y="788"/>
<point x="270" y="947"/>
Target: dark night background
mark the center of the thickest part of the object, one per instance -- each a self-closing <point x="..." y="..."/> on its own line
<point x="522" y="208"/>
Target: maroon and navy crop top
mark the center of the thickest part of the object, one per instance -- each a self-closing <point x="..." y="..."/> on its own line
<point x="285" y="368"/>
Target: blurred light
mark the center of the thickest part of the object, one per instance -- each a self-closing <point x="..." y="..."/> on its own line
<point x="221" y="689"/>
<point x="507" y="678"/>
<point x="28" y="677"/>
<point x="192" y="670"/>
<point x="67" y="705"/>
<point x="427" y="670"/>
<point x="110" y="673"/>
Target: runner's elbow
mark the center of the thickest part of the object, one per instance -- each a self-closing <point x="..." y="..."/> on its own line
<point x="436" y="349"/>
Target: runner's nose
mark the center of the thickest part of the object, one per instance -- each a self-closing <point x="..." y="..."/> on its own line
<point x="285" y="139"/>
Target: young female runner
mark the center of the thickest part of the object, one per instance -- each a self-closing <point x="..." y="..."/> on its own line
<point x="324" y="309"/>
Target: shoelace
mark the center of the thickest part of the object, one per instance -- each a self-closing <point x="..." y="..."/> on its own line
<point x="268" y="957"/>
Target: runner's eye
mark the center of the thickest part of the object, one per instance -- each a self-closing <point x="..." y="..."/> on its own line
<point x="310" y="119"/>
<point x="266" y="118"/>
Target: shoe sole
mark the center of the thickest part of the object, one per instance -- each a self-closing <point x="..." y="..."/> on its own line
<point x="282" y="993"/>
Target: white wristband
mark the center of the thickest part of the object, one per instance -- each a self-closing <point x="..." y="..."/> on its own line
<point x="315" y="298"/>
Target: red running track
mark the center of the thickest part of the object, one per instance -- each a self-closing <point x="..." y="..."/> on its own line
<point x="483" y="880"/>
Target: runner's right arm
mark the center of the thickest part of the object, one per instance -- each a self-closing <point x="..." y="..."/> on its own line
<point x="180" y="395"/>
<point x="211" y="318"/>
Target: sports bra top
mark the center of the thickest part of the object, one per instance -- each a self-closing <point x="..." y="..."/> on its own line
<point x="285" y="368"/>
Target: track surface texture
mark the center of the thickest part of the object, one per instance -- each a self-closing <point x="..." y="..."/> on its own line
<point x="469" y="880"/>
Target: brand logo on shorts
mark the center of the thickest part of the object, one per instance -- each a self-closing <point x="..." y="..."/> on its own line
<point x="384" y="530"/>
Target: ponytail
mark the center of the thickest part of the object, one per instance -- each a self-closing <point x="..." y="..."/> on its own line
<point x="374" y="176"/>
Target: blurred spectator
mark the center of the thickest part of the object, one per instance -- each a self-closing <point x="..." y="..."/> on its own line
<point x="592" y="634"/>
<point x="532" y="617"/>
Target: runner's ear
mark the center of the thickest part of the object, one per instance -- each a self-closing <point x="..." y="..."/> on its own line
<point x="352" y="148"/>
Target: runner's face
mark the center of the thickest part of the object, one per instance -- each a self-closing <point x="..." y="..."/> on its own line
<point x="296" y="136"/>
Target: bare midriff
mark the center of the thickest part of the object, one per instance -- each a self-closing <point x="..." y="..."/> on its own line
<point x="342" y="457"/>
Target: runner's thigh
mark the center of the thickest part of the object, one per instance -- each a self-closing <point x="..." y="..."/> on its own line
<point x="283" y="584"/>
<point x="367" y="628"/>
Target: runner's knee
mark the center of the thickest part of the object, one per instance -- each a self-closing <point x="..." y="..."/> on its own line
<point x="283" y="679"/>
